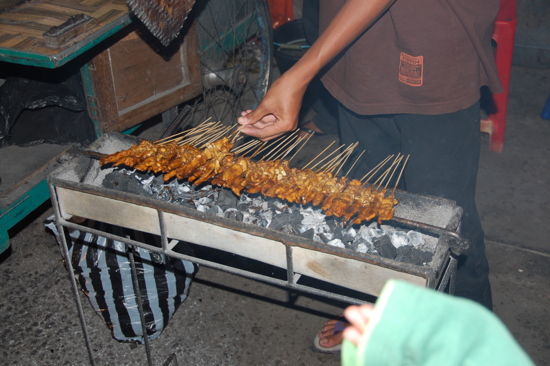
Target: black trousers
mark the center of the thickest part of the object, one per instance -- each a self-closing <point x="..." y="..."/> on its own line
<point x="444" y="159"/>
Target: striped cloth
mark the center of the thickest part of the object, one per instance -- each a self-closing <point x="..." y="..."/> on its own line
<point x="102" y="268"/>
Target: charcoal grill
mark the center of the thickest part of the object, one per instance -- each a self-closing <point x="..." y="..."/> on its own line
<point x="76" y="190"/>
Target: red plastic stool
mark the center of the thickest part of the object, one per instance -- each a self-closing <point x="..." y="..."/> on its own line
<point x="503" y="34"/>
<point x="282" y="11"/>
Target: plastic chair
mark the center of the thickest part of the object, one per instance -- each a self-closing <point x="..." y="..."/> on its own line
<point x="282" y="11"/>
<point x="503" y="34"/>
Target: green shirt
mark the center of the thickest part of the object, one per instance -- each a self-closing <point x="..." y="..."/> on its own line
<point x="412" y="325"/>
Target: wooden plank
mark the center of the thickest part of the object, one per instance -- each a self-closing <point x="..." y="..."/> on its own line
<point x="232" y="241"/>
<point x="349" y="273"/>
<point x="74" y="203"/>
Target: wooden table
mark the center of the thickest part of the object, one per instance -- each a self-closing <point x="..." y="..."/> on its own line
<point x="24" y="23"/>
<point x="125" y="81"/>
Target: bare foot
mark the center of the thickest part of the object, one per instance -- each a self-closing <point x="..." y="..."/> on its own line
<point x="331" y="333"/>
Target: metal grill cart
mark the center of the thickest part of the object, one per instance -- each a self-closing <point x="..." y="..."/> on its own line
<point x="76" y="190"/>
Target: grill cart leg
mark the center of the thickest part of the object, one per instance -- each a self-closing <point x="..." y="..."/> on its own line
<point x="449" y="276"/>
<point x="64" y="235"/>
<point x="139" y="302"/>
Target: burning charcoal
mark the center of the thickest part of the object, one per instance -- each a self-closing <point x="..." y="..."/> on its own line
<point x="215" y="210"/>
<point x="288" y="229"/>
<point x="203" y="201"/>
<point x="399" y="238"/>
<point x="338" y="233"/>
<point x="309" y="234"/>
<point x="280" y="206"/>
<point x="385" y="247"/>
<point x="266" y="217"/>
<point x="409" y="254"/>
<point x="336" y="243"/>
<point x="361" y="248"/>
<point x="165" y="194"/>
<point x="349" y="234"/>
<point x="136" y="187"/>
<point x="326" y="237"/>
<point x="227" y="199"/>
<point x="359" y="241"/>
<point x="331" y="223"/>
<point x="250" y="219"/>
<point x="371" y="232"/>
<point x="116" y="181"/>
<point x="259" y="203"/>
<point x="415" y="238"/>
<point x="278" y="221"/>
<point x="233" y="214"/>
<point x="313" y="219"/>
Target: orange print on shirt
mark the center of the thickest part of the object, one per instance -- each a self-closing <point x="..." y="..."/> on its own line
<point x="411" y="69"/>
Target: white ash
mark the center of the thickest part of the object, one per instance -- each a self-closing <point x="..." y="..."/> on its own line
<point x="275" y="214"/>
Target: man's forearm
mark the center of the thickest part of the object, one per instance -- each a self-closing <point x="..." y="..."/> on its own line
<point x="350" y="22"/>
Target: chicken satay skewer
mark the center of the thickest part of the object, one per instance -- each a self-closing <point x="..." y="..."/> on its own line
<point x="355" y="162"/>
<point x="294" y="141"/>
<point x="279" y="146"/>
<point x="259" y="150"/>
<point x="189" y="131"/>
<point x="236" y="134"/>
<point x="394" y="169"/>
<point x="384" y="175"/>
<point x="334" y="160"/>
<point x="400" y="173"/>
<point x="292" y="147"/>
<point x="321" y="153"/>
<point x="216" y="135"/>
<point x="304" y="144"/>
<point x="346" y="159"/>
<point x="195" y="140"/>
<point x="326" y="157"/>
<point x="375" y="170"/>
<point x="246" y="146"/>
<point x="195" y="133"/>
<point x="265" y="146"/>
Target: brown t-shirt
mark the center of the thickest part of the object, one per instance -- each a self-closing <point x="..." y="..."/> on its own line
<point x="421" y="57"/>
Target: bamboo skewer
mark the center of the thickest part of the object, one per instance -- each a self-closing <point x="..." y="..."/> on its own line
<point x="275" y="149"/>
<point x="375" y="170"/>
<point x="172" y="137"/>
<point x="346" y="159"/>
<point x="393" y="172"/>
<point x="304" y="144"/>
<point x="400" y="173"/>
<point x="284" y="153"/>
<point x="321" y="153"/>
<point x="355" y="162"/>
<point x="328" y="156"/>
<point x="334" y="160"/>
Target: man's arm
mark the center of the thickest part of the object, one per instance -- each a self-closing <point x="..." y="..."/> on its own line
<point x="278" y="111"/>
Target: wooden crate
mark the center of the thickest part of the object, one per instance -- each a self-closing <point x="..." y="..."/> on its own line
<point x="136" y="78"/>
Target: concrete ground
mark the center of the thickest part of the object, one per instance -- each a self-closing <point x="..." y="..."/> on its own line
<point x="229" y="320"/>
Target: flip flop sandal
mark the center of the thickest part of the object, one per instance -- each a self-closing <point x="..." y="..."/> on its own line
<point x="338" y="327"/>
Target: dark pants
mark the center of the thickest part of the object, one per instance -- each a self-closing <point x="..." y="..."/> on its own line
<point x="444" y="159"/>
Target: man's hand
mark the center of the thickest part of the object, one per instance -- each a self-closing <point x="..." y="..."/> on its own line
<point x="277" y="114"/>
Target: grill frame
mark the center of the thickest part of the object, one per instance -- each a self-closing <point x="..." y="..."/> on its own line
<point x="71" y="182"/>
